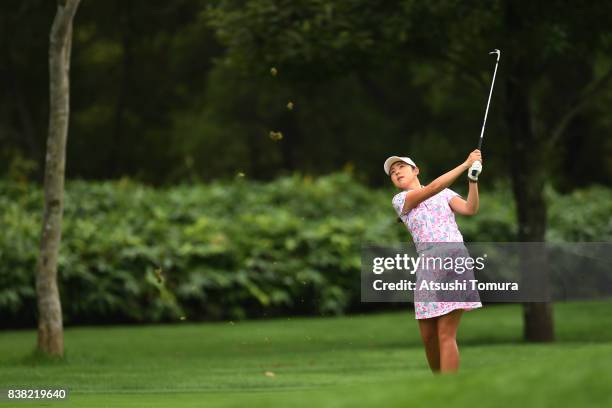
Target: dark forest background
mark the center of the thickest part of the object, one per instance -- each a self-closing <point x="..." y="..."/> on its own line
<point x="181" y="91"/>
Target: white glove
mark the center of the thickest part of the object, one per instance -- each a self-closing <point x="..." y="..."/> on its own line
<point x="475" y="170"/>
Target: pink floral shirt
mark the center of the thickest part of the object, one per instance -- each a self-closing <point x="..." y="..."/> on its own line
<point x="432" y="220"/>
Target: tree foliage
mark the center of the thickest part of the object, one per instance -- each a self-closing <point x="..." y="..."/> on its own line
<point x="183" y="91"/>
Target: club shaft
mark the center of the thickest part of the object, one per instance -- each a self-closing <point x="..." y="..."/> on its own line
<point x="487" y="110"/>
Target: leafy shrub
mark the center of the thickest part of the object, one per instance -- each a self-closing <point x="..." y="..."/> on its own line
<point x="229" y="249"/>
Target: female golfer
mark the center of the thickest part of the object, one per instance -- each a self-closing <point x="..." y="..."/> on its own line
<point x="428" y="213"/>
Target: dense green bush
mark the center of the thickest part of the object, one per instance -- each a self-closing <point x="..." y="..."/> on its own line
<point x="583" y="215"/>
<point x="229" y="250"/>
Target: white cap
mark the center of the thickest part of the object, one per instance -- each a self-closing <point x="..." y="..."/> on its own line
<point x="389" y="162"/>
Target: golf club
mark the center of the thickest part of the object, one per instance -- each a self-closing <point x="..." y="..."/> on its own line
<point x="496" y="51"/>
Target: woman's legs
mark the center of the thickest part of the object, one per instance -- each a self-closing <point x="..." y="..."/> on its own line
<point x="447" y="338"/>
<point x="429" y="335"/>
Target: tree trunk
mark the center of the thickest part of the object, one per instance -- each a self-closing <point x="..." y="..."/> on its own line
<point x="28" y="131"/>
<point x="125" y="21"/>
<point x="528" y="171"/>
<point x="528" y="180"/>
<point x="50" y="327"/>
<point x="289" y="143"/>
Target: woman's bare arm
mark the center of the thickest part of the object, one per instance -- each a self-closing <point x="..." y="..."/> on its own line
<point x="469" y="207"/>
<point x="415" y="197"/>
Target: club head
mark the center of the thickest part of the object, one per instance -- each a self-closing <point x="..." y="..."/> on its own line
<point x="496" y="51"/>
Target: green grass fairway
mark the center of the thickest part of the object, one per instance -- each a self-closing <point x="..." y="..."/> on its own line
<point x="373" y="360"/>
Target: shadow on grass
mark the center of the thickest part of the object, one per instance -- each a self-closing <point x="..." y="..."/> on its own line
<point x="493" y="341"/>
<point x="472" y="341"/>
<point x="39" y="358"/>
<point x="484" y="341"/>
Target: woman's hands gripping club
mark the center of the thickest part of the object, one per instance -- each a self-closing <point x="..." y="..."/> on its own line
<point x="474" y="163"/>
